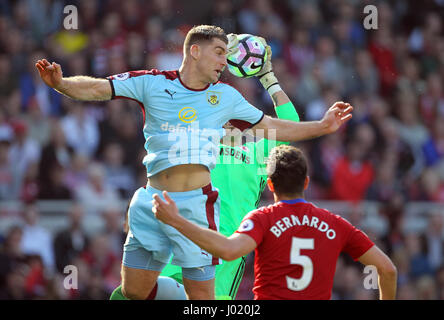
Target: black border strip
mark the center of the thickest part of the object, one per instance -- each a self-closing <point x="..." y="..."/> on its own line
<point x="113" y="91"/>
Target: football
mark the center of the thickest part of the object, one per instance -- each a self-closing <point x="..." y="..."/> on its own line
<point x="249" y="59"/>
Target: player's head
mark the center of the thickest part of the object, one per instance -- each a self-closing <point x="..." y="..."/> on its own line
<point x="206" y="47"/>
<point x="287" y="171"/>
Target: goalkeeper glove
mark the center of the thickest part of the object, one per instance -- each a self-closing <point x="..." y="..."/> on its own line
<point x="266" y="75"/>
<point x="233" y="41"/>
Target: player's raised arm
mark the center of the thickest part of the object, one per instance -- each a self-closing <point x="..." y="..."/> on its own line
<point x="78" y="87"/>
<point x="211" y="241"/>
<point x="285" y="130"/>
<point x="387" y="274"/>
<point x="338" y="114"/>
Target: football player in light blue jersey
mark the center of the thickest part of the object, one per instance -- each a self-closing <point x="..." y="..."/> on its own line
<point x="184" y="111"/>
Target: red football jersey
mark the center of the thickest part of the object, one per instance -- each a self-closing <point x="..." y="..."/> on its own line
<point x="298" y="245"/>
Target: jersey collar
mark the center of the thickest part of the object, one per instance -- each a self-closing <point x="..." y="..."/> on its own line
<point x="293" y="201"/>
<point x="185" y="86"/>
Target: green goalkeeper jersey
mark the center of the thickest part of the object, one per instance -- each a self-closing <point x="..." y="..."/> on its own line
<point x="241" y="178"/>
<point x="240" y="175"/>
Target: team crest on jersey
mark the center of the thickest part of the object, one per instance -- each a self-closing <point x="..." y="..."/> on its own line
<point x="213" y="97"/>
<point x="247" y="225"/>
<point x="122" y="76"/>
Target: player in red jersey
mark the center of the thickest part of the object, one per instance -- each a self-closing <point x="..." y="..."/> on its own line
<point x="297" y="244"/>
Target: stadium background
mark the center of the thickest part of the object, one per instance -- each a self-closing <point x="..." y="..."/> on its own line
<point x="63" y="196"/>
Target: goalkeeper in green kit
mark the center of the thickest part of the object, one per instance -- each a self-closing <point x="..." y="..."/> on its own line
<point x="240" y="177"/>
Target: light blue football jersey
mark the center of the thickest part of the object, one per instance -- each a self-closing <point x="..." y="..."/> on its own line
<point x="182" y="125"/>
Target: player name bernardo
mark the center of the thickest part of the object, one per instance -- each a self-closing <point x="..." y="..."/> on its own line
<point x="288" y="222"/>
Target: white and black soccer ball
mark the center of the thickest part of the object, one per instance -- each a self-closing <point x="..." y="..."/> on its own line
<point x="249" y="59"/>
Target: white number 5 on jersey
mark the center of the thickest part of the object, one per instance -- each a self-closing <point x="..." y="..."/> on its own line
<point x="305" y="262"/>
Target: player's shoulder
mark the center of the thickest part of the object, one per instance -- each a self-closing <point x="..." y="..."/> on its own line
<point x="333" y="218"/>
<point x="260" y="212"/>
<point x="259" y="217"/>
<point x="167" y="74"/>
<point x="267" y="210"/>
<point x="220" y="85"/>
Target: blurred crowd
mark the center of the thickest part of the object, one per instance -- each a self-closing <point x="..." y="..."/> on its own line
<point x="54" y="148"/>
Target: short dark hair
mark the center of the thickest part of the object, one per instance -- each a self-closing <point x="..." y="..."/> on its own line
<point x="287" y="168"/>
<point x="202" y="33"/>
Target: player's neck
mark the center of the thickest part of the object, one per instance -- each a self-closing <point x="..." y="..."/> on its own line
<point x="190" y="77"/>
<point x="278" y="197"/>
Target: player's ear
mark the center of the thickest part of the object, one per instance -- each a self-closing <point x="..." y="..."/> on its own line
<point x="306" y="182"/>
<point x="194" y="51"/>
<point x="270" y="185"/>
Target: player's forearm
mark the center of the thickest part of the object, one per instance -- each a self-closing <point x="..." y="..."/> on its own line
<point x="285" y="130"/>
<point x="387" y="284"/>
<point x="279" y="98"/>
<point x="387" y="274"/>
<point x="211" y="241"/>
<point x="85" y="88"/>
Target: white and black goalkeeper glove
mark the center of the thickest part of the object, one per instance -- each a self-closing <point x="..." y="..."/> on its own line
<point x="233" y="41"/>
<point x="266" y="75"/>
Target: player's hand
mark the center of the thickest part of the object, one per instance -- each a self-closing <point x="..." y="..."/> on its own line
<point x="266" y="75"/>
<point x="338" y="114"/>
<point x="166" y="211"/>
<point x="267" y="66"/>
<point x="51" y="74"/>
<point x="233" y="41"/>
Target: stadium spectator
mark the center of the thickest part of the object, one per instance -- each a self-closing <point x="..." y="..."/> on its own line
<point x="434" y="241"/>
<point x="332" y="69"/>
<point x="11" y="257"/>
<point x="55" y="188"/>
<point x="433" y="148"/>
<point x="431" y="102"/>
<point x="29" y="191"/>
<point x="9" y="81"/>
<point x="99" y="256"/>
<point x="15" y="288"/>
<point x="95" y="194"/>
<point x="113" y="218"/>
<point x="95" y="288"/>
<point x="72" y="241"/>
<point x="9" y="173"/>
<point x="24" y="149"/>
<point x="55" y="154"/>
<point x="80" y="129"/>
<point x="354" y="173"/>
<point x="77" y="172"/>
<point x="39" y="125"/>
<point x="36" y="240"/>
<point x="363" y="78"/>
<point x="324" y="152"/>
<point x="419" y="264"/>
<point x="382" y="52"/>
<point x="117" y="175"/>
<point x="426" y="287"/>
<point x="298" y="52"/>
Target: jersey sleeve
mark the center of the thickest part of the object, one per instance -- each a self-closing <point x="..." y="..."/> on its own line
<point x="131" y="85"/>
<point x="253" y="226"/>
<point x="287" y="111"/>
<point x="244" y="115"/>
<point x="357" y="242"/>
